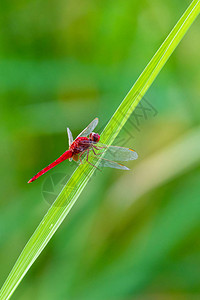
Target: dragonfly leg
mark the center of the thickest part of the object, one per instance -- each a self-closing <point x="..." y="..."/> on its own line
<point x="95" y="152"/>
<point x="89" y="161"/>
<point x="80" y="156"/>
<point x="98" y="148"/>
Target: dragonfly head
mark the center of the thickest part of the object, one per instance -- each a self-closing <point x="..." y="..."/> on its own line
<point x="95" y="137"/>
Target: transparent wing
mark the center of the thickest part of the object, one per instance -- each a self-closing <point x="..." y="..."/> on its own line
<point x="70" y="137"/>
<point x="111" y="164"/>
<point x="89" y="128"/>
<point x="117" y="153"/>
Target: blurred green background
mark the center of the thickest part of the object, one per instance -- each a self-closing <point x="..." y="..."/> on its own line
<point x="131" y="235"/>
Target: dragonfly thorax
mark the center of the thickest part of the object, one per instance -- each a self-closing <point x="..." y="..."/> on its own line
<point x="79" y="145"/>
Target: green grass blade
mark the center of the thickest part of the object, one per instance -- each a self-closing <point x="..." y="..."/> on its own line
<point x="68" y="196"/>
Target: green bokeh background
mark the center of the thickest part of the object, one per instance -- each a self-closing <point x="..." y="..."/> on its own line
<point x="131" y="235"/>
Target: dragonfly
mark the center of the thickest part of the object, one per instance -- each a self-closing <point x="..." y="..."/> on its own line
<point x="87" y="145"/>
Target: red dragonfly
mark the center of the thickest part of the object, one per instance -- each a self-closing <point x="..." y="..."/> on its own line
<point x="88" y="142"/>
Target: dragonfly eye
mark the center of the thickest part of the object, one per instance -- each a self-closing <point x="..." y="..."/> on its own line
<point x="95" y="137"/>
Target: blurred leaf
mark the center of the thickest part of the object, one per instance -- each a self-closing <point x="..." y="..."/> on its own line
<point x="147" y="253"/>
<point x="161" y="167"/>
